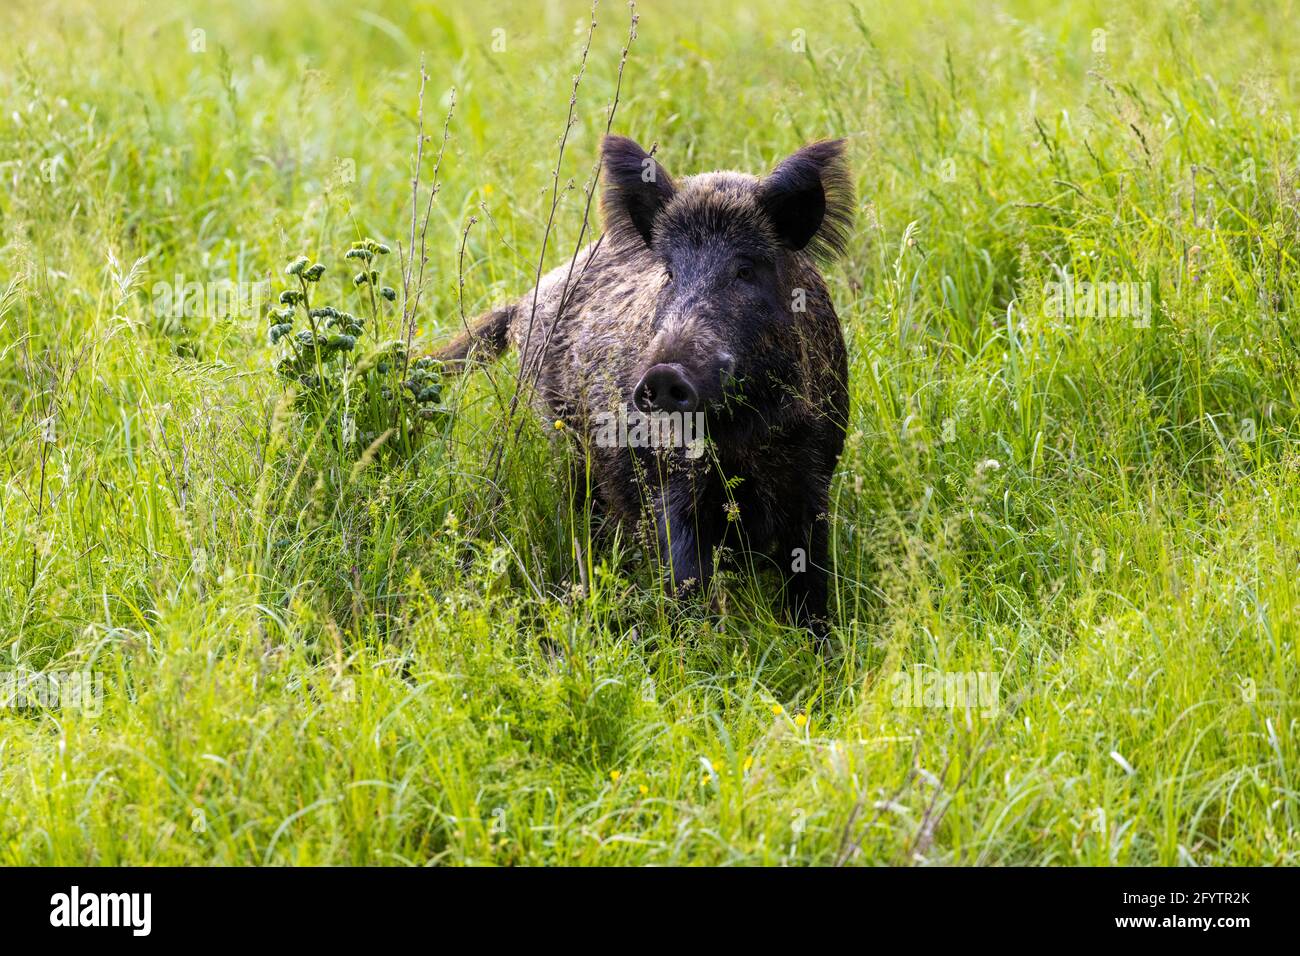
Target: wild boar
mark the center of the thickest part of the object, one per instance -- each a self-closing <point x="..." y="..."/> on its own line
<point x="703" y="299"/>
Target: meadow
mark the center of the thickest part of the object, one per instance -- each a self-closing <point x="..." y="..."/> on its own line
<point x="310" y="643"/>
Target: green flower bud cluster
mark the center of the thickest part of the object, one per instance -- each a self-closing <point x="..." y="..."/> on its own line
<point x="365" y="251"/>
<point x="332" y="330"/>
<point x="392" y="355"/>
<point x="281" y="319"/>
<point x="332" y="318"/>
<point x="303" y="269"/>
<point x="324" y="349"/>
<point x="424" y="383"/>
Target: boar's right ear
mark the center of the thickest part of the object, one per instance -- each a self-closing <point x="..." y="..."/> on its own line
<point x="636" y="188"/>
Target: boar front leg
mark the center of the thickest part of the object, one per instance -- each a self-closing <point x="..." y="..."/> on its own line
<point x="686" y="538"/>
<point x="806" y="554"/>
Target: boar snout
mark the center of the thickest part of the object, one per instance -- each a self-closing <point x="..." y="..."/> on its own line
<point x="666" y="388"/>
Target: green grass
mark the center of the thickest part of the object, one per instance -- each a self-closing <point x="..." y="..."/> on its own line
<point x="306" y="662"/>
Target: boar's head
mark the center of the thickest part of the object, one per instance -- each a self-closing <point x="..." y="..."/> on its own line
<point x="728" y="253"/>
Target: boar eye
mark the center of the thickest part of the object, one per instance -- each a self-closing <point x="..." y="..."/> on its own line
<point x="669" y="273"/>
<point x="745" y="273"/>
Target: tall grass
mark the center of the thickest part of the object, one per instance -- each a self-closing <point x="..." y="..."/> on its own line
<point x="312" y="656"/>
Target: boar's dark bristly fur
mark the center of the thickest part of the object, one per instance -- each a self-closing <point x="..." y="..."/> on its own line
<point x="704" y="294"/>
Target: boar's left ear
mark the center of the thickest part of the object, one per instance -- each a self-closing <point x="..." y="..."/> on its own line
<point x="636" y="188"/>
<point x="809" y="199"/>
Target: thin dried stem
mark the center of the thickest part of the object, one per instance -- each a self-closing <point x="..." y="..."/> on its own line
<point x="528" y="376"/>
